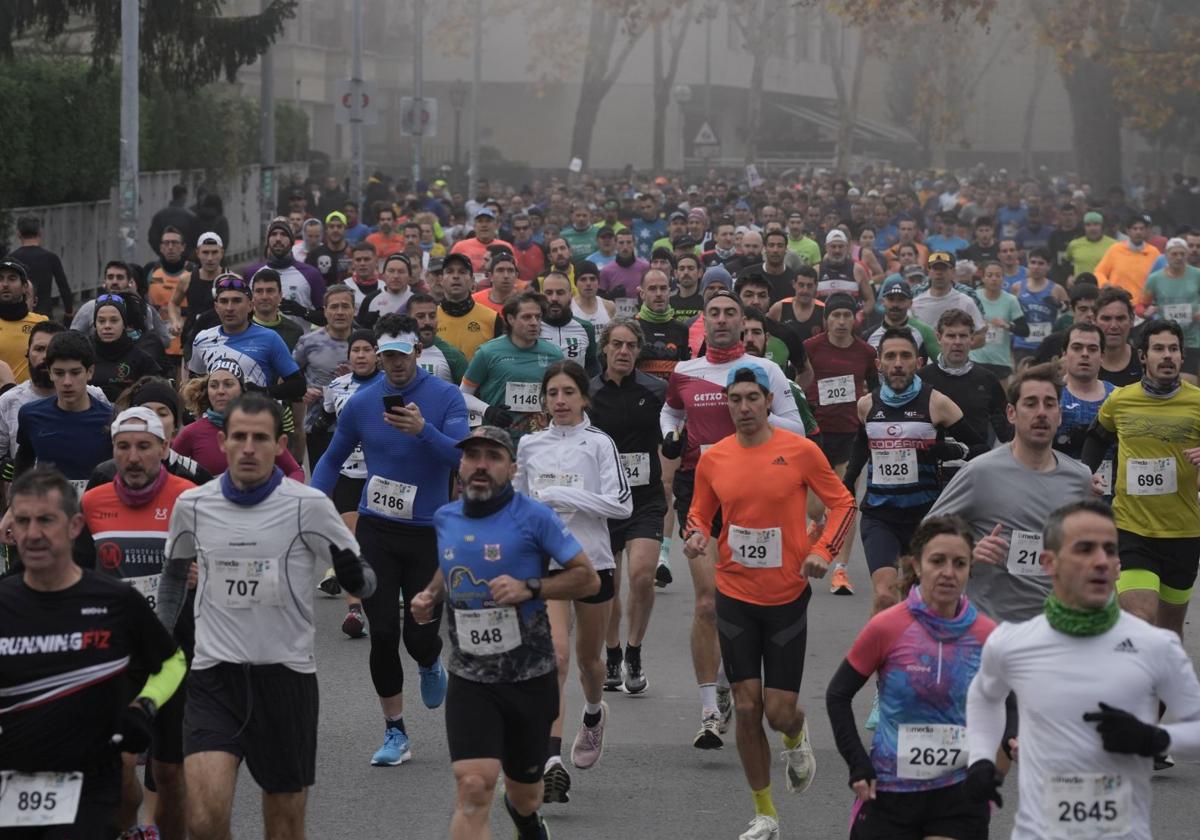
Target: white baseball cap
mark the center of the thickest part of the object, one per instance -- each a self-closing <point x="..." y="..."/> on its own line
<point x="835" y="235"/>
<point x="210" y="238"/>
<point x="138" y="419"/>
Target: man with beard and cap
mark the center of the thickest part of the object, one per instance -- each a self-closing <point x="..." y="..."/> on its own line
<point x="575" y="337"/>
<point x="896" y="296"/>
<point x="839" y="273"/>
<point x="193" y="294"/>
<point x="476" y="247"/>
<point x="164" y="275"/>
<point x="16" y="320"/>
<point x="300" y="282"/>
<point x="462" y="321"/>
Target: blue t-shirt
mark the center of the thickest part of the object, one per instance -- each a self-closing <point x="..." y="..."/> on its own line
<point x="517" y="540"/>
<point x="645" y="234"/>
<point x="1009" y="221"/>
<point x="1034" y="237"/>
<point x="886" y="237"/>
<point x="1078" y="414"/>
<point x="256" y="355"/>
<point x="73" y="442"/>
<point x="1041" y="311"/>
<point x="949" y="244"/>
<point x="408" y="476"/>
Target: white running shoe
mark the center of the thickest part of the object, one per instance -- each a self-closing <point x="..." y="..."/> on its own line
<point x="725" y="706"/>
<point x="761" y="827"/>
<point x="800" y="765"/>
<point x="709" y="736"/>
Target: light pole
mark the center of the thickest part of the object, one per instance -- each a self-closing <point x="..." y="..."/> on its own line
<point x="458" y="99"/>
<point x="476" y="73"/>
<point x="127" y="190"/>
<point x="356" y="92"/>
<point x="418" y="84"/>
<point x="266" y="104"/>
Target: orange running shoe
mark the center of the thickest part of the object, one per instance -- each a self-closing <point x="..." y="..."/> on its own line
<point x="839" y="584"/>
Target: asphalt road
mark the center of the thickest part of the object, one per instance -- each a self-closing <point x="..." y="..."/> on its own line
<point x="650" y="782"/>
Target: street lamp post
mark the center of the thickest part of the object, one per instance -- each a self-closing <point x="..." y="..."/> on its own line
<point x="458" y="100"/>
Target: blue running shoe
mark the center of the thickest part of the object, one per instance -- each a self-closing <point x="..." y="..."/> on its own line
<point x="395" y="749"/>
<point x="433" y="684"/>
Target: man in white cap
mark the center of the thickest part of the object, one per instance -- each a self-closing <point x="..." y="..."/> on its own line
<point x="1171" y="293"/>
<point x="837" y="272"/>
<point x="124" y="534"/>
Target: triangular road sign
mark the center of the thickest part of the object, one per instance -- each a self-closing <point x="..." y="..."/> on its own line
<point x="706" y="136"/>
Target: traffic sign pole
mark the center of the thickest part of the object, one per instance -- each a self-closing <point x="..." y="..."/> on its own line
<point x="356" y="103"/>
<point x="418" y="83"/>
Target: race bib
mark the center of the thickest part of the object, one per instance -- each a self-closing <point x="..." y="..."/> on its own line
<point x="1106" y="476"/>
<point x="890" y="467"/>
<point x="546" y="478"/>
<point x="1024" y="551"/>
<point x="29" y="799"/>
<point x="1038" y="331"/>
<point x="992" y="336"/>
<point x="148" y="586"/>
<point x="637" y="468"/>
<point x="835" y="390"/>
<point x="1090" y="805"/>
<point x="242" y="583"/>
<point x="1150" y="476"/>
<point x="930" y="750"/>
<point x="523" y="396"/>
<point x="393" y="499"/>
<point x="1181" y="313"/>
<point x="627" y="307"/>
<point x="488" y="632"/>
<point x="756" y="548"/>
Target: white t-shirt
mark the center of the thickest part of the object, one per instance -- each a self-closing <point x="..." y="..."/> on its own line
<point x="1057" y="678"/>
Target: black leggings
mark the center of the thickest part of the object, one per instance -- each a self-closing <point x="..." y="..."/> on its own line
<point x="404" y="558"/>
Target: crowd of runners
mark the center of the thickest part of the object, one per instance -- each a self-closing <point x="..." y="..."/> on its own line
<point x="498" y="413"/>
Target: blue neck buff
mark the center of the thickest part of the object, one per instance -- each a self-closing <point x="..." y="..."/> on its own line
<point x="215" y="417"/>
<point x="895" y="399"/>
<point x="254" y="495"/>
<point x="940" y="628"/>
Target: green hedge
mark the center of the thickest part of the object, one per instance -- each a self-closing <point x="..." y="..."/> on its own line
<point x="60" y="134"/>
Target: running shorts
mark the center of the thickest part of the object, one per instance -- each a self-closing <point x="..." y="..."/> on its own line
<point x="682" y="489"/>
<point x="914" y="816"/>
<point x="264" y="714"/>
<point x="1166" y="565"/>
<point x="506" y="721"/>
<point x="646" y="522"/>
<point x="884" y="540"/>
<point x="603" y="595"/>
<point x="347" y="493"/>
<point x="766" y="643"/>
<point x="837" y="446"/>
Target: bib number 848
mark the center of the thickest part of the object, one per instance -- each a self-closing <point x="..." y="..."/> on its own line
<point x="491" y="636"/>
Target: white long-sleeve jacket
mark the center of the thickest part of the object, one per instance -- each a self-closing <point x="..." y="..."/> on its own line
<point x="577" y="471"/>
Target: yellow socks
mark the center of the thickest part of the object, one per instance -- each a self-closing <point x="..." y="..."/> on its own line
<point x="790" y="742"/>
<point x="762" y="802"/>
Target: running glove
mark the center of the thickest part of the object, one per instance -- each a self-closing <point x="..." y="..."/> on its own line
<point x="1121" y="732"/>
<point x="983" y="783"/>
<point x="672" y="445"/>
<point x="498" y="415"/>
<point x="347" y="568"/>
<point x="134" y="730"/>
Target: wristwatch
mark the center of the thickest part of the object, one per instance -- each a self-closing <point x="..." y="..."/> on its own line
<point x="148" y="706"/>
<point x="534" y="585"/>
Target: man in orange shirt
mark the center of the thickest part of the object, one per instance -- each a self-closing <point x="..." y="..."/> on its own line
<point x="1127" y="263"/>
<point x="759" y="478"/>
<point x="476" y="247"/>
<point x="386" y="240"/>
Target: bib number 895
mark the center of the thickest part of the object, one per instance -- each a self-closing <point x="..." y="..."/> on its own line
<point x="35" y="800"/>
<point x="1082" y="812"/>
<point x="931" y="757"/>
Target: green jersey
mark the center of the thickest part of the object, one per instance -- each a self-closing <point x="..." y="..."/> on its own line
<point x="997" y="346"/>
<point x="508" y="375"/>
<point x="806" y="249"/>
<point x="1176" y="299"/>
<point x="443" y="360"/>
<point x="1085" y="255"/>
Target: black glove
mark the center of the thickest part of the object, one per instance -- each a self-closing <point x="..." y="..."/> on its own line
<point x="294" y="308"/>
<point x="672" y="445"/>
<point x="1121" y="732"/>
<point x="864" y="773"/>
<point x="347" y="568"/>
<point x="134" y="730"/>
<point x="983" y="783"/>
<point x="498" y="415"/>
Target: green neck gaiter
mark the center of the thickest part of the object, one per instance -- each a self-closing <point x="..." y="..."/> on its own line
<point x="1075" y="622"/>
<point x="648" y="314"/>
